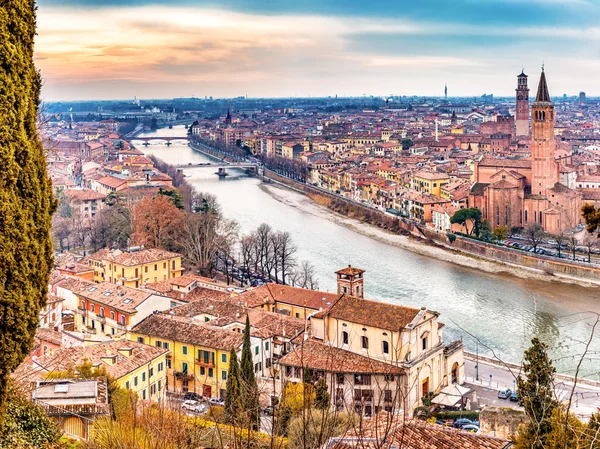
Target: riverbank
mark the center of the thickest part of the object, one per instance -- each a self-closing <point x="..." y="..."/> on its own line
<point x="423" y="247"/>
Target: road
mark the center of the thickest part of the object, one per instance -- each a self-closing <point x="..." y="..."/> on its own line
<point x="586" y="398"/>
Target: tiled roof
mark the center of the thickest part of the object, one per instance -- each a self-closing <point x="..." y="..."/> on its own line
<point x="350" y="270"/>
<point x="83" y="194"/>
<point x="488" y="161"/>
<point x="402" y="433"/>
<point x="62" y="359"/>
<point x="370" y="313"/>
<point x="302" y="297"/>
<point x="133" y="258"/>
<point x="116" y="296"/>
<point x="184" y="330"/>
<point x="319" y="356"/>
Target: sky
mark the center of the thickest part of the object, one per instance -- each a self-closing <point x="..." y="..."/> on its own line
<point x="118" y="49"/>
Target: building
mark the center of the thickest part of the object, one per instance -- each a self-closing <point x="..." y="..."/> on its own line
<point x="135" y="267"/>
<point x="350" y="281"/>
<point x="376" y="356"/>
<point x="109" y="309"/>
<point x="134" y="366"/>
<point x="86" y="202"/>
<point x="198" y="353"/>
<point x="522" y="122"/>
<point x="73" y="403"/>
<point x="528" y="191"/>
<point x="429" y="182"/>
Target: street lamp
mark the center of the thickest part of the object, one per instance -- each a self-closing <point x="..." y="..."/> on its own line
<point x="477" y="361"/>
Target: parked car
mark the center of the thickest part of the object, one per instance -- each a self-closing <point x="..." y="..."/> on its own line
<point x="191" y="396"/>
<point x="269" y="411"/>
<point x="504" y="393"/>
<point x="216" y="401"/>
<point x="462" y="422"/>
<point x="470" y="428"/>
<point x="514" y="397"/>
<point x="193" y="407"/>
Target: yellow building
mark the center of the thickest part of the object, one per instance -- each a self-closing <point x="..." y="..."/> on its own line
<point x="429" y="182"/>
<point x="136" y="367"/>
<point x="135" y="268"/>
<point x="198" y="359"/>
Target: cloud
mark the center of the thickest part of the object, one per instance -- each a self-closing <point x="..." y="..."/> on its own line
<point x="180" y="50"/>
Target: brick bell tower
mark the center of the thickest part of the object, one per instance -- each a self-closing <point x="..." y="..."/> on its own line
<point x="544" y="169"/>
<point x="522" y="118"/>
<point x="350" y="281"/>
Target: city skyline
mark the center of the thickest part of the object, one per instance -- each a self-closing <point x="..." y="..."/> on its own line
<point x="265" y="49"/>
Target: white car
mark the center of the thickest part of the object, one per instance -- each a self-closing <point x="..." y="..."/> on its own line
<point x="193" y="406"/>
<point x="216" y="401"/>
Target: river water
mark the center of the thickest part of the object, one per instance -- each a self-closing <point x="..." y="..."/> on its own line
<point x="501" y="311"/>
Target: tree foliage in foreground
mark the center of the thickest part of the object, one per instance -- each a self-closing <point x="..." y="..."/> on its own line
<point x="26" y="200"/>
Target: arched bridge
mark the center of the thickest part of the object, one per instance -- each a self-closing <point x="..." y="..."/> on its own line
<point x="147" y="140"/>
<point x="222" y="167"/>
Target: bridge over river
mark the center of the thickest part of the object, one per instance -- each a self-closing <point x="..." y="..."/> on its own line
<point x="158" y="139"/>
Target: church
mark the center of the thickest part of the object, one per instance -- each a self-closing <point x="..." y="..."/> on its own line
<point x="522" y="192"/>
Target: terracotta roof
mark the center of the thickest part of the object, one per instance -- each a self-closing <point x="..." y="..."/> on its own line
<point x="302" y="297"/>
<point x="83" y="194"/>
<point x="350" y="271"/>
<point x="133" y="258"/>
<point x="111" y="181"/>
<point x="320" y="356"/>
<point x="116" y="296"/>
<point x="62" y="359"/>
<point x="488" y="161"/>
<point x="385" y="431"/>
<point x="370" y="313"/>
<point x="184" y="330"/>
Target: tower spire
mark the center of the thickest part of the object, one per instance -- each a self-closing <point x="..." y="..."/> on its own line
<point x="542" y="92"/>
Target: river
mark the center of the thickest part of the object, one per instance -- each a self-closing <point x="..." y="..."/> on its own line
<point x="503" y="312"/>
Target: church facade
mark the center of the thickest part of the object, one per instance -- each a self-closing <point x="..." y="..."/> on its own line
<point x="522" y="192"/>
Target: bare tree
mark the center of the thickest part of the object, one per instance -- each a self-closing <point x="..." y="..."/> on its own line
<point x="284" y="252"/>
<point x="535" y="235"/>
<point x="590" y="243"/>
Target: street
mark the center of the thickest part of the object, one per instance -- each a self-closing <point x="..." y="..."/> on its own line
<point x="492" y="378"/>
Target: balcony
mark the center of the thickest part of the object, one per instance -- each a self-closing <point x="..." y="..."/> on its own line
<point x="183" y="375"/>
<point x="206" y="364"/>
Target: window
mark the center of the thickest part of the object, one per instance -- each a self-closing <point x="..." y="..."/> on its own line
<point x="340" y="378"/>
<point x="224" y="375"/>
<point x="386" y="347"/>
<point x="256" y="351"/>
<point x="168" y="362"/>
<point x="266" y="346"/>
<point x="345" y="337"/>
<point x="143" y="377"/>
<point x="164" y="265"/>
<point x="387" y="395"/>
<point x="297" y="315"/>
<point x="159" y="385"/>
<point x="202" y="371"/>
<point x="166" y="345"/>
<point x="127" y="385"/>
<point x="362" y="379"/>
<point x="184" y="367"/>
<point x="112" y="315"/>
<point x="140" y="339"/>
<point x="184" y="350"/>
<point x="388" y="378"/>
<point x="101" y="311"/>
<point x="365" y="342"/>
<point x="210" y="372"/>
<point x="135" y="381"/>
<point x="157" y="343"/>
<point x="151" y="372"/>
<point x="155" y="268"/>
<point x="123" y="320"/>
<point x="424" y="343"/>
<point x="224" y="358"/>
<point x="144" y="394"/>
<point x="161" y="366"/>
<point x="146" y="269"/>
<point x="173" y="265"/>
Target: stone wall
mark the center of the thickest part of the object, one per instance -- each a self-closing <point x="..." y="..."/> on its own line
<point x="500" y="422"/>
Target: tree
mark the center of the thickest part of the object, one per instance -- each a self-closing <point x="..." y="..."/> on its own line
<point x="590" y="243"/>
<point x="484" y="230"/>
<point x="316" y="428"/>
<point x="560" y="241"/>
<point x="591" y="438"/>
<point x="156" y="222"/>
<point x="500" y="233"/>
<point x="591" y="215"/>
<point x="248" y="380"/>
<point x="322" y="397"/>
<point x="25" y="423"/>
<point x="26" y="198"/>
<point x="233" y="405"/>
<point x="535" y="235"/>
<point x="465" y="216"/>
<point x="537" y="395"/>
<point x="175" y="197"/>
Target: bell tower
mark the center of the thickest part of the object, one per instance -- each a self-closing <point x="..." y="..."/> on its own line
<point x="544" y="169"/>
<point x="350" y="281"/>
<point x="522" y="118"/>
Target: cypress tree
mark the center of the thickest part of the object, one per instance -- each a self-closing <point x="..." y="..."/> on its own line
<point x="322" y="398"/>
<point x="249" y="386"/>
<point x="26" y="200"/>
<point x="537" y="396"/>
<point x="233" y="389"/>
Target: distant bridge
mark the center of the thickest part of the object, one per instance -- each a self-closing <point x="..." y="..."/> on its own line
<point x="146" y="140"/>
<point x="251" y="169"/>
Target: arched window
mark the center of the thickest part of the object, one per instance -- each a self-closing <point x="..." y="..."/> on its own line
<point x="525" y="217"/>
<point x="365" y="342"/>
<point x="386" y="347"/>
<point x="506" y="214"/>
<point x="345" y="337"/>
<point x="520" y="217"/>
<point x="540" y="217"/>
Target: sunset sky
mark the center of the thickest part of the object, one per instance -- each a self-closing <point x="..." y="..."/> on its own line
<point x="271" y="48"/>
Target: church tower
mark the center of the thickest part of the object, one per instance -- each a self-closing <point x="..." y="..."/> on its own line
<point x="522" y="105"/>
<point x="544" y="169"/>
<point x="350" y="281"/>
